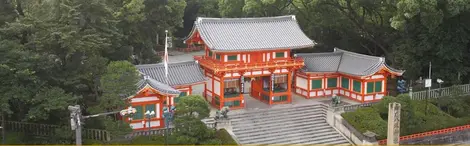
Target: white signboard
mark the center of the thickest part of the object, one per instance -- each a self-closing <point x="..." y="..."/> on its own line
<point x="427" y="83"/>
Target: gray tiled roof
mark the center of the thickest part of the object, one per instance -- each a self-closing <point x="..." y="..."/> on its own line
<point x="344" y="62"/>
<point x="159" y="86"/>
<point x="249" y="34"/>
<point x="180" y="73"/>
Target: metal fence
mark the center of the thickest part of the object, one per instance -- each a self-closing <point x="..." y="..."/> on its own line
<point x="440" y="92"/>
<point x="50" y="130"/>
<point x="420" y="95"/>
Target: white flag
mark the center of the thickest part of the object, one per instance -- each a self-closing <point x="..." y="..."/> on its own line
<point x="165" y="57"/>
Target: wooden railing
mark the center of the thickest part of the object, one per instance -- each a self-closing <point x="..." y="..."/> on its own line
<point x="219" y="67"/>
<point x="430" y="133"/>
<point x="50" y="130"/>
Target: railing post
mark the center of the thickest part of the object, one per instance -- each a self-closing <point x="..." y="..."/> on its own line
<point x="411" y="92"/>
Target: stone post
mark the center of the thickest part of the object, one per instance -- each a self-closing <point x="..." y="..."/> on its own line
<point x="393" y="131"/>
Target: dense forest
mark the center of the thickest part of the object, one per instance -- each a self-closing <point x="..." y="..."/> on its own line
<point x="55" y="53"/>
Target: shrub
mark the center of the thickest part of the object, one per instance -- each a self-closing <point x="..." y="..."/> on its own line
<point x="225" y="137"/>
<point x="414" y="118"/>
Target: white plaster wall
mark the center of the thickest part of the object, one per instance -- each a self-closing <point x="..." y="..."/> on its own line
<point x="383" y="86"/>
<point x="377" y="76"/>
<point x="144" y="99"/>
<point x="140" y="125"/>
<point x="379" y="96"/>
<point x="328" y="92"/>
<point x="244" y="58"/>
<point x="225" y="58"/>
<point x="285" y="54"/>
<point x="301" y="82"/>
<point x="157" y="107"/>
<point x="369" y="97"/>
<point x="209" y="84"/>
<point x="249" y="58"/>
<point x="217" y="87"/>
<point x="312" y="94"/>
<point x="238" y="57"/>
<point x="336" y="91"/>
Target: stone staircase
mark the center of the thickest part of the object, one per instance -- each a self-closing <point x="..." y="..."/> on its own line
<point x="305" y="124"/>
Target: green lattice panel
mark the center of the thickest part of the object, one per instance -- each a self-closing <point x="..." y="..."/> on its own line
<point x="370" y="87"/>
<point x="279" y="54"/>
<point x="139" y="113"/>
<point x="316" y="84"/>
<point x="344" y="82"/>
<point x="356" y="86"/>
<point x="150" y="107"/>
<point x="332" y="82"/>
<point x="378" y="86"/>
<point x="232" y="57"/>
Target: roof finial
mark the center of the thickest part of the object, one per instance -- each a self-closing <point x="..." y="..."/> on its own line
<point x="146" y="77"/>
<point x="381" y="58"/>
<point x="199" y="19"/>
<point x="334" y="49"/>
<point x="293" y="17"/>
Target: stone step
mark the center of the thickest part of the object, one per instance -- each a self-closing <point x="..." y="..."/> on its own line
<point x="338" y="137"/>
<point x="275" y="132"/>
<point x="317" y="139"/>
<point x="288" y="136"/>
<point x="279" y="118"/>
<point x="279" y="114"/>
<point x="300" y="121"/>
<point x="275" y="110"/>
<point x="305" y="137"/>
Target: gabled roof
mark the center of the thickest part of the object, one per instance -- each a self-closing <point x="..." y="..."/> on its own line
<point x="181" y="73"/>
<point x="251" y="34"/>
<point x="160" y="87"/>
<point x="345" y="62"/>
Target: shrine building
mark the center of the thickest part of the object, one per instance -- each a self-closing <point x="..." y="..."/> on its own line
<point x="255" y="49"/>
<point x="155" y="92"/>
<point x="359" y="77"/>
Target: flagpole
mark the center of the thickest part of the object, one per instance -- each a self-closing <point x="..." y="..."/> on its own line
<point x="166" y="66"/>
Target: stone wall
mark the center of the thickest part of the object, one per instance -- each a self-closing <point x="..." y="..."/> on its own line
<point x="449" y="138"/>
<point x="336" y="121"/>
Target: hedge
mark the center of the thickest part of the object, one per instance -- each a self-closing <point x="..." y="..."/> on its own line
<point x="414" y="119"/>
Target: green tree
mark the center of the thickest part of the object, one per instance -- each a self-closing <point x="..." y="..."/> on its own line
<point x="193" y="105"/>
<point x="118" y="82"/>
<point x="191" y="130"/>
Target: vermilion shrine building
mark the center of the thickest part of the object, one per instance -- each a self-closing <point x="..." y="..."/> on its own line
<point x="254" y="48"/>
<point x="257" y="51"/>
<point x="155" y="92"/>
<point x="360" y="77"/>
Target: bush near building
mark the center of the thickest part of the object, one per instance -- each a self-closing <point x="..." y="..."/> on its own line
<point x="414" y="118"/>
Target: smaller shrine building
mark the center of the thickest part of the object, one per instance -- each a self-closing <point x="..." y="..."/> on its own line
<point x="357" y="76"/>
<point x="155" y="92"/>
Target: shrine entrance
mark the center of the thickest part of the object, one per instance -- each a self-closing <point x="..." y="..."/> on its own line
<point x="272" y="89"/>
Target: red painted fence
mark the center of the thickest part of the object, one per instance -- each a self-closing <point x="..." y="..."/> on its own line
<point x="430" y="133"/>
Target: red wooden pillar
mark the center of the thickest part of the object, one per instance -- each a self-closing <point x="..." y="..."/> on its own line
<point x="363" y="84"/>
<point x="309" y="86"/>
<point x="222" y="91"/>
<point x="289" y="87"/>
